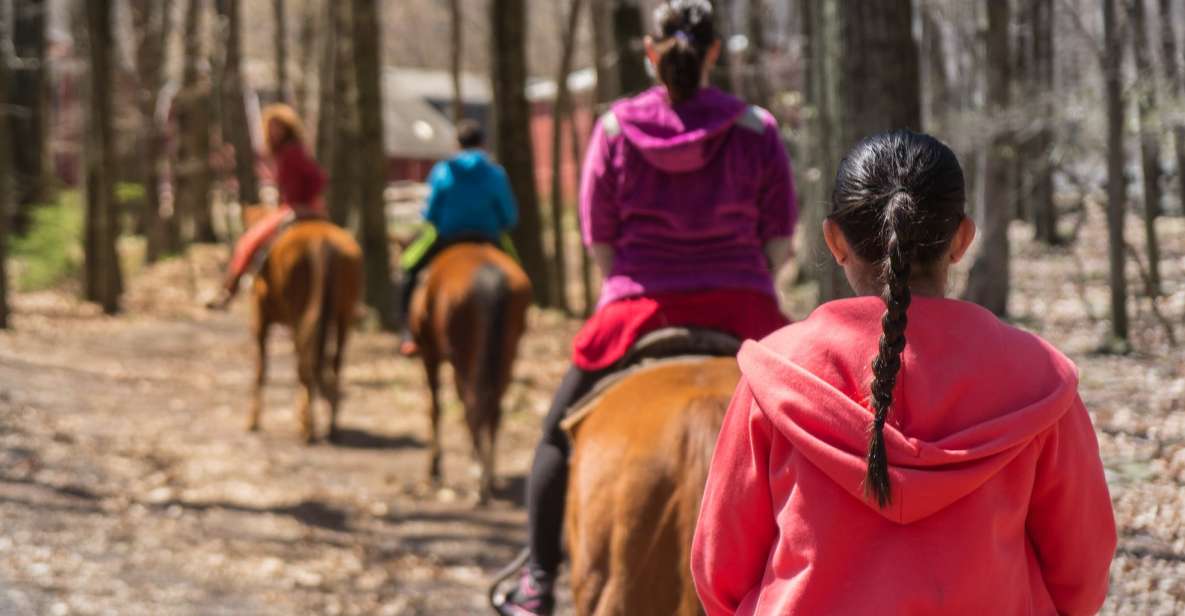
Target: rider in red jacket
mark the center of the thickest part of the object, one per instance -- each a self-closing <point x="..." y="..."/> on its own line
<point x="299" y="180"/>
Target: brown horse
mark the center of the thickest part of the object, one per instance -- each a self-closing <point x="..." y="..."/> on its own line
<point x="640" y="456"/>
<point x="310" y="282"/>
<point x="471" y="310"/>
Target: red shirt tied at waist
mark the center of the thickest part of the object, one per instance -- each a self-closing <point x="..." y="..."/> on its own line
<point x="609" y="333"/>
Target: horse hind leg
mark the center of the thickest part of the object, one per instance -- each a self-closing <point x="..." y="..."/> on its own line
<point x="331" y="383"/>
<point x="256" y="408"/>
<point x="432" y="371"/>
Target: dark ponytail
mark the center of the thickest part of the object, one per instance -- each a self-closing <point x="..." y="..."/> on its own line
<point x="685" y="32"/>
<point x="899" y="198"/>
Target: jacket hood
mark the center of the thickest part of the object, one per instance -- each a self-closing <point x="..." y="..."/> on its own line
<point x="972" y="393"/>
<point x="678" y="138"/>
<point x="468" y="162"/>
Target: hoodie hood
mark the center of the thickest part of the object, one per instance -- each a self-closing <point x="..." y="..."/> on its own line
<point x="678" y="138"/>
<point x="972" y="393"/>
<point x="468" y="163"/>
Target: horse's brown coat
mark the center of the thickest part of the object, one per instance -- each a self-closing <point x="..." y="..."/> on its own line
<point x="470" y="310"/>
<point x="310" y="282"/>
<point x="639" y="462"/>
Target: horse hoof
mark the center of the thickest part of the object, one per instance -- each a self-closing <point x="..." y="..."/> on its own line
<point x="253" y="427"/>
<point x="334" y="436"/>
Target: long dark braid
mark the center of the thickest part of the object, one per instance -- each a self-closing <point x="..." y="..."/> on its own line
<point x="898" y="200"/>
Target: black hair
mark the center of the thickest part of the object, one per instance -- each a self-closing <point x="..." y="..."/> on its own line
<point x="899" y="198"/>
<point x="470" y="134"/>
<point x="684" y="33"/>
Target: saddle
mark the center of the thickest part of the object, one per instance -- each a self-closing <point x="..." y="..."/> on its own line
<point x="664" y="345"/>
<point x="291" y="218"/>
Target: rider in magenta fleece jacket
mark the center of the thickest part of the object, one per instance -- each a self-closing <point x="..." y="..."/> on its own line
<point x="999" y="501"/>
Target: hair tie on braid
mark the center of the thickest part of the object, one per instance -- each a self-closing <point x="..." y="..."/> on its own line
<point x="684" y="37"/>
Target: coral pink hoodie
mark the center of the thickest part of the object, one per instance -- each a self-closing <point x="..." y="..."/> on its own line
<point x="999" y="501"/>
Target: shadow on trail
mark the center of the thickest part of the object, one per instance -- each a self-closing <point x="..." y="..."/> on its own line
<point x="308" y="512"/>
<point x="512" y="490"/>
<point x="361" y="439"/>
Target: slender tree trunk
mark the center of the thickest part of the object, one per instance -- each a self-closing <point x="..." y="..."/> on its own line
<point x="1176" y="88"/>
<point x="1116" y="183"/>
<point x="193" y="174"/>
<point x="1150" y="133"/>
<point x="344" y="172"/>
<point x="327" y="80"/>
<point x="307" y="56"/>
<point x="561" y="108"/>
<point x="372" y="162"/>
<point x="150" y="19"/>
<point x="32" y="169"/>
<point x="281" y="42"/>
<point x="1044" y="209"/>
<point x="988" y="282"/>
<point x="513" y="135"/>
<point x="103" y="283"/>
<point x="821" y="48"/>
<point x="937" y="82"/>
<point x="604" y="52"/>
<point x="235" y="126"/>
<point x="5" y="162"/>
<point x="586" y="283"/>
<point x="725" y="75"/>
<point x="628" y="32"/>
<point x="758" y="88"/>
<point x="457" y="38"/>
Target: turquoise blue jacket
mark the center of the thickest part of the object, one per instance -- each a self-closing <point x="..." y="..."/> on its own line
<point x="470" y="194"/>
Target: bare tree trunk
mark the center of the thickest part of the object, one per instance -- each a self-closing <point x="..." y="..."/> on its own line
<point x="1116" y="183"/>
<point x="344" y="172"/>
<point x="151" y="21"/>
<point x="372" y="162"/>
<point x="235" y="126"/>
<point x="513" y="135"/>
<point x="561" y="108"/>
<point x="1044" y="209"/>
<point x="988" y="282"/>
<point x="32" y="169"/>
<point x="937" y="81"/>
<point x="5" y="161"/>
<point x="1150" y="132"/>
<point x="881" y="72"/>
<point x="758" y="88"/>
<point x="456" y="47"/>
<point x="281" y="42"/>
<point x="327" y="80"/>
<point x="726" y="75"/>
<point x="308" y="48"/>
<point x="628" y="31"/>
<point x="1176" y="88"/>
<point x="193" y="174"/>
<point x="586" y="284"/>
<point x="820" y="32"/>
<point x="103" y="282"/>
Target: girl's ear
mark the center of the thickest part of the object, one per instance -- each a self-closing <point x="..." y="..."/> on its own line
<point x="962" y="240"/>
<point x="836" y="242"/>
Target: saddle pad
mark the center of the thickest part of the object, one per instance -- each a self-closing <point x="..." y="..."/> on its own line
<point x="585" y="405"/>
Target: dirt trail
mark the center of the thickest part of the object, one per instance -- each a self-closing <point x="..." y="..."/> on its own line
<point x="128" y="485"/>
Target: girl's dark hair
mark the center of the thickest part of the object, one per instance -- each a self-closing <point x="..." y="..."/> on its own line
<point x="899" y="197"/>
<point x="684" y="33"/>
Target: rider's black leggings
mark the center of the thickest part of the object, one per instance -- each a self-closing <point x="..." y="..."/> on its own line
<point x="547" y="486"/>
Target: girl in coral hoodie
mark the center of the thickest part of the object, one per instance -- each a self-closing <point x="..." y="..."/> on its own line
<point x="902" y="453"/>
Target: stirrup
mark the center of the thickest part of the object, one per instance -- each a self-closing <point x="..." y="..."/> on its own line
<point x="504" y="574"/>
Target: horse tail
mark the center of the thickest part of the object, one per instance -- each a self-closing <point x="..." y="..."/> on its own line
<point x="491" y="293"/>
<point x="314" y="323"/>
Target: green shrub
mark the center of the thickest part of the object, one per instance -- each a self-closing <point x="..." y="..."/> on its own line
<point x="52" y="249"/>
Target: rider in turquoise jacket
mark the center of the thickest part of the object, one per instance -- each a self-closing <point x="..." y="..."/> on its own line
<point x="469" y="200"/>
